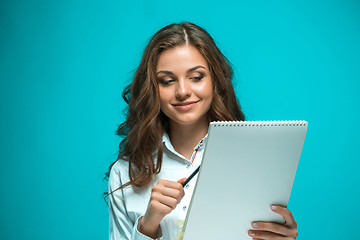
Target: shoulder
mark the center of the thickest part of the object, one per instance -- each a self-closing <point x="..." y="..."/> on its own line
<point x="119" y="166"/>
<point x="119" y="173"/>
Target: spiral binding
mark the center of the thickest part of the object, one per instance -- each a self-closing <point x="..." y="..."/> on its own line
<point x="259" y="123"/>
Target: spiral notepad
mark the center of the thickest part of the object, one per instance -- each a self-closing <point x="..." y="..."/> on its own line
<point x="247" y="166"/>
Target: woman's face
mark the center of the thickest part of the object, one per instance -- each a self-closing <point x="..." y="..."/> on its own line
<point x="185" y="85"/>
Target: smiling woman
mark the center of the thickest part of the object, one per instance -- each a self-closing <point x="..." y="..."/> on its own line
<point x="182" y="83"/>
<point x="186" y="92"/>
<point x="185" y="86"/>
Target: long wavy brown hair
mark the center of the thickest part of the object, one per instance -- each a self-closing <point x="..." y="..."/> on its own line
<point x="145" y="123"/>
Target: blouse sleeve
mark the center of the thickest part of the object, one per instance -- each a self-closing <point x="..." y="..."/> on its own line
<point x="120" y="225"/>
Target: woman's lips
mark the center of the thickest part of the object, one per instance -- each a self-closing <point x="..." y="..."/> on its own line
<point x="185" y="106"/>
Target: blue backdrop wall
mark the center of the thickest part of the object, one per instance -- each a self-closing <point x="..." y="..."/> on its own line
<point x="63" y="65"/>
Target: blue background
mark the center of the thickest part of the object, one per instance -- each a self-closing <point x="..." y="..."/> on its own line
<point x="63" y="65"/>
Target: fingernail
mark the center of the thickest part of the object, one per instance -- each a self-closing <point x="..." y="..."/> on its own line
<point x="274" y="207"/>
<point x="255" y="225"/>
<point x="252" y="234"/>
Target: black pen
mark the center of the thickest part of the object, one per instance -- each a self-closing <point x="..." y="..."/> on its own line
<point x="191" y="176"/>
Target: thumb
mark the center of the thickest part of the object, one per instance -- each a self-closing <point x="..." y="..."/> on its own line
<point x="181" y="180"/>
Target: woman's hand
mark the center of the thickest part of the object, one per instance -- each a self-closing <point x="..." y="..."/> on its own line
<point x="165" y="196"/>
<point x="276" y="231"/>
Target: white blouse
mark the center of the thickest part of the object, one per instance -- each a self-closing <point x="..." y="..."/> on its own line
<point x="127" y="205"/>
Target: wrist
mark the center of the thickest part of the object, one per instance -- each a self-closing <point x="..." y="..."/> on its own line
<point x="149" y="228"/>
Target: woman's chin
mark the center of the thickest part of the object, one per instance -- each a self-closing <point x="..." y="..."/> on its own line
<point x="188" y="122"/>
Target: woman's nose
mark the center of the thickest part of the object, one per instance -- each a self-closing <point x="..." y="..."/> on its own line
<point x="183" y="90"/>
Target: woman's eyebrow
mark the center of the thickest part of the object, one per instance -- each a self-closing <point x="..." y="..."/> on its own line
<point x="194" y="68"/>
<point x="165" y="72"/>
<point x="188" y="71"/>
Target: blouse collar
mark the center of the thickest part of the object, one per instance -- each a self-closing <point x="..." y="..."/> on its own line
<point x="166" y="141"/>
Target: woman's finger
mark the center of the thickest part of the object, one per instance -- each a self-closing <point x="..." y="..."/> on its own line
<point x="277" y="228"/>
<point x="265" y="235"/>
<point x="258" y="234"/>
<point x="166" y="190"/>
<point x="286" y="214"/>
<point x="169" y="184"/>
<point x="181" y="180"/>
<point x="165" y="200"/>
<point x="169" y="192"/>
<point x="172" y="185"/>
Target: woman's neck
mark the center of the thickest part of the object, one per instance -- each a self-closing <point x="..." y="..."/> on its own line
<point x="185" y="138"/>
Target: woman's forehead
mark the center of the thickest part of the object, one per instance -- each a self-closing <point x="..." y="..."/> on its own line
<point x="180" y="58"/>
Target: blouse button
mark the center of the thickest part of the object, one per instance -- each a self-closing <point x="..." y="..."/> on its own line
<point x="187" y="186"/>
<point x="184" y="208"/>
<point x="187" y="166"/>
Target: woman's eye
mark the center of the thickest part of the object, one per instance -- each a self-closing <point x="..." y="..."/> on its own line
<point x="166" y="82"/>
<point x="197" y="78"/>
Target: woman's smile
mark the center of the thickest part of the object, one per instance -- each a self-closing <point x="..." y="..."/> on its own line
<point x="185" y="106"/>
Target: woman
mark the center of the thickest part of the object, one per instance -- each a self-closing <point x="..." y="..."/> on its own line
<point x="182" y="83"/>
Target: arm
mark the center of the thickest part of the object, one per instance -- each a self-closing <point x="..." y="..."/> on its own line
<point x="165" y="196"/>
<point x="270" y="230"/>
<point x="120" y="225"/>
